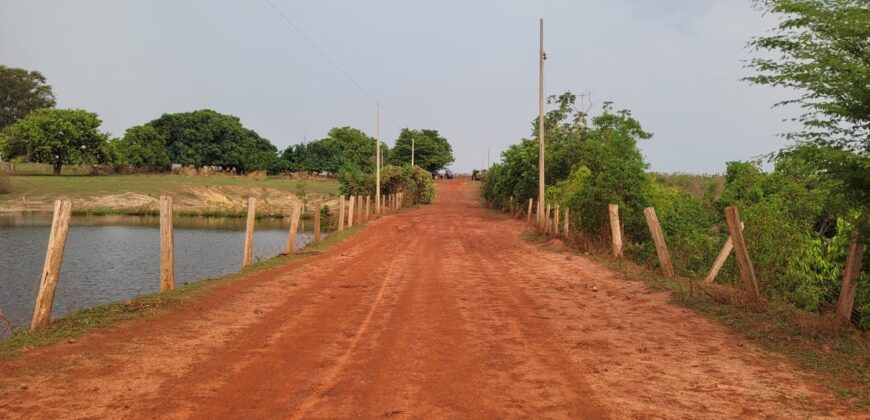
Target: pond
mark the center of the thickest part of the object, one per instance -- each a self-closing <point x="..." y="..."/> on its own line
<point x="111" y="258"/>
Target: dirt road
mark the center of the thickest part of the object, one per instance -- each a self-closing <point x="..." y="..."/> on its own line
<point x="442" y="311"/>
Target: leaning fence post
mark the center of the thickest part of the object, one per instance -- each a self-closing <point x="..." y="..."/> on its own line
<point x="53" y="260"/>
<point x="248" y="256"/>
<point x="167" y="250"/>
<point x="317" y="205"/>
<point x="294" y="228"/>
<point x="720" y="259"/>
<point x="529" y="212"/>
<point x="655" y="229"/>
<point x="850" y="276"/>
<point x="747" y="271"/>
<point x="615" y="230"/>
<point x="340" y="213"/>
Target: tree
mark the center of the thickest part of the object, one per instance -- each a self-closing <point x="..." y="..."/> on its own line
<point x="345" y="148"/>
<point x="207" y="138"/>
<point x="431" y="151"/>
<point x="21" y="92"/>
<point x="821" y="48"/>
<point x="55" y="136"/>
<point x="143" y="147"/>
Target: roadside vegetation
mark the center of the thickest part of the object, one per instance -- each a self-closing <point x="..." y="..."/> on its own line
<point x="800" y="216"/>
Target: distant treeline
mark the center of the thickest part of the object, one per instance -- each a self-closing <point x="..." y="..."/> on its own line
<point x="32" y="130"/>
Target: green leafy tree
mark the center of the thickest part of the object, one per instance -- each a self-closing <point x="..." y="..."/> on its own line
<point x="821" y="49"/>
<point x="207" y="138"/>
<point x="56" y="136"/>
<point x="431" y="150"/>
<point x="21" y="92"/>
<point x="143" y="147"/>
<point x="345" y="148"/>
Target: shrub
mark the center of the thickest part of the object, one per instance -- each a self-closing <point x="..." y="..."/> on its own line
<point x="415" y="182"/>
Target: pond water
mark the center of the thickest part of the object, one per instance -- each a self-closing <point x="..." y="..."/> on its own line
<point x="111" y="258"/>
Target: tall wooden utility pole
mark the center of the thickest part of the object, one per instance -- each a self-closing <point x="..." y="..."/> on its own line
<point x="378" y="164"/>
<point x="412" y="151"/>
<point x="541" y="58"/>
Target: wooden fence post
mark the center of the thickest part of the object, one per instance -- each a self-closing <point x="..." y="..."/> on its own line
<point x="167" y="250"/>
<point x="53" y="260"/>
<point x="317" y="205"/>
<point x="720" y="259"/>
<point x="529" y="212"/>
<point x="615" y="230"/>
<point x="340" y="213"/>
<point x="556" y="225"/>
<point x="368" y="208"/>
<point x="655" y="229"/>
<point x="350" y="203"/>
<point x="850" y="276"/>
<point x="565" y="230"/>
<point x="747" y="271"/>
<point x="359" y="209"/>
<point x="294" y="229"/>
<point x="248" y="256"/>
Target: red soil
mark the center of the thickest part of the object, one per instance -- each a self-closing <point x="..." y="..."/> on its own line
<point x="442" y="311"/>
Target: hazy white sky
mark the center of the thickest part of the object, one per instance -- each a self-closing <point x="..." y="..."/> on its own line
<point x="466" y="68"/>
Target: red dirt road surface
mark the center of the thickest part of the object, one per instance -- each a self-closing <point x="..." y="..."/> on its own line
<point x="441" y="311"/>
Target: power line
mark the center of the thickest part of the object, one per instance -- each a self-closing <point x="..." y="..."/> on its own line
<point x="331" y="61"/>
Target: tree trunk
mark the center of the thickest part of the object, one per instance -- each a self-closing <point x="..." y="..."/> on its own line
<point x="56" y="167"/>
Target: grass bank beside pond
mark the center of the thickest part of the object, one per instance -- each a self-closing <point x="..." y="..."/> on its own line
<point x="112" y="314"/>
<point x="214" y="196"/>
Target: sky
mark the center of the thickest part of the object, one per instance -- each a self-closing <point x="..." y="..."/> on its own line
<point x="466" y="68"/>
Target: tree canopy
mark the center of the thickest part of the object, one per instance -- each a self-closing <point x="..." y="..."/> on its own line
<point x="55" y="136"/>
<point x="431" y="151"/>
<point x="207" y="138"/>
<point x="21" y="92"/>
<point x="143" y="147"/>
<point x="821" y="49"/>
<point x="343" y="148"/>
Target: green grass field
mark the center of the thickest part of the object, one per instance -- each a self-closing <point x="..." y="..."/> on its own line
<point x="133" y="193"/>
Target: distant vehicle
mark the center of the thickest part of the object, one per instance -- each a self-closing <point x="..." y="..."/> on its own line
<point x="476" y="175"/>
<point x="448" y="174"/>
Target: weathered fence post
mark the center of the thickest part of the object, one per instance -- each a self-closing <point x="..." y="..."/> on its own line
<point x="615" y="230"/>
<point x="747" y="271"/>
<point x="655" y="229"/>
<point x="565" y="230"/>
<point x="317" y="205"/>
<point x="368" y="208"/>
<point x="53" y="260"/>
<point x="359" y="209"/>
<point x="850" y="276"/>
<point x="340" y="213"/>
<point x="294" y="229"/>
<point x="529" y="212"/>
<point x="556" y="213"/>
<point x="248" y="256"/>
<point x="547" y="220"/>
<point x="350" y="203"/>
<point x="167" y="250"/>
<point x="720" y="259"/>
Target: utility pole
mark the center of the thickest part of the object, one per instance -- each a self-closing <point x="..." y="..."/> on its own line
<point x="378" y="163"/>
<point x="541" y="58"/>
<point x="412" y="151"/>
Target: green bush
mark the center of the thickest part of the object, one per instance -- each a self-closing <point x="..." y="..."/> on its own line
<point x="416" y="183"/>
